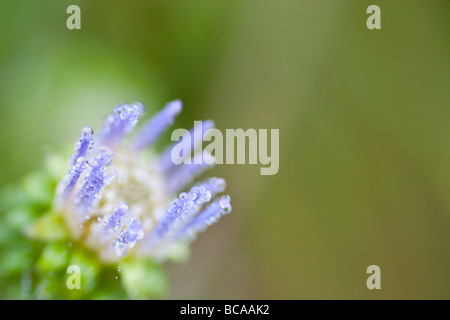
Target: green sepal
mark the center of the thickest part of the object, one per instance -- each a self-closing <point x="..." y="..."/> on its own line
<point x="143" y="279"/>
<point x="179" y="252"/>
<point x="49" y="227"/>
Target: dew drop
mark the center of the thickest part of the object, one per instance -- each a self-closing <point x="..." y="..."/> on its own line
<point x="87" y="130"/>
<point x="224" y="203"/>
<point x="221" y="184"/>
<point x="226" y="209"/>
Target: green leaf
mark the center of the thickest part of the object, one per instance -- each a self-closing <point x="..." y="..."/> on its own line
<point x="19" y="217"/>
<point x="39" y="187"/>
<point x="15" y="258"/>
<point x="53" y="257"/>
<point x="11" y="196"/>
<point x="90" y="268"/>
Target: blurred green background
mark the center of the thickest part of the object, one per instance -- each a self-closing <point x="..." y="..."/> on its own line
<point x="364" y="120"/>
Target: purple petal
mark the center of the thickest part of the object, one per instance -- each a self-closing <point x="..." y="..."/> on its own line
<point x="205" y="218"/>
<point x="83" y="145"/>
<point x="117" y="219"/>
<point x="118" y="124"/>
<point x="97" y="178"/>
<point x="186" y="205"/>
<point x="70" y="180"/>
<point x="157" y="125"/>
<point x="195" y="135"/>
<point x="186" y="173"/>
<point x="132" y="233"/>
<point x="214" y="185"/>
<point x="125" y="229"/>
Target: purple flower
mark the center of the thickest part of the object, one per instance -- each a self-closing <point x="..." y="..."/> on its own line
<point x="116" y="196"/>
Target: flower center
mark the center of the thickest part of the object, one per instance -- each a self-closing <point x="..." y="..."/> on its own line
<point x="135" y="180"/>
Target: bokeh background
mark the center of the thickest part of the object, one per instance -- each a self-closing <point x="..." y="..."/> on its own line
<point x="364" y="120"/>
